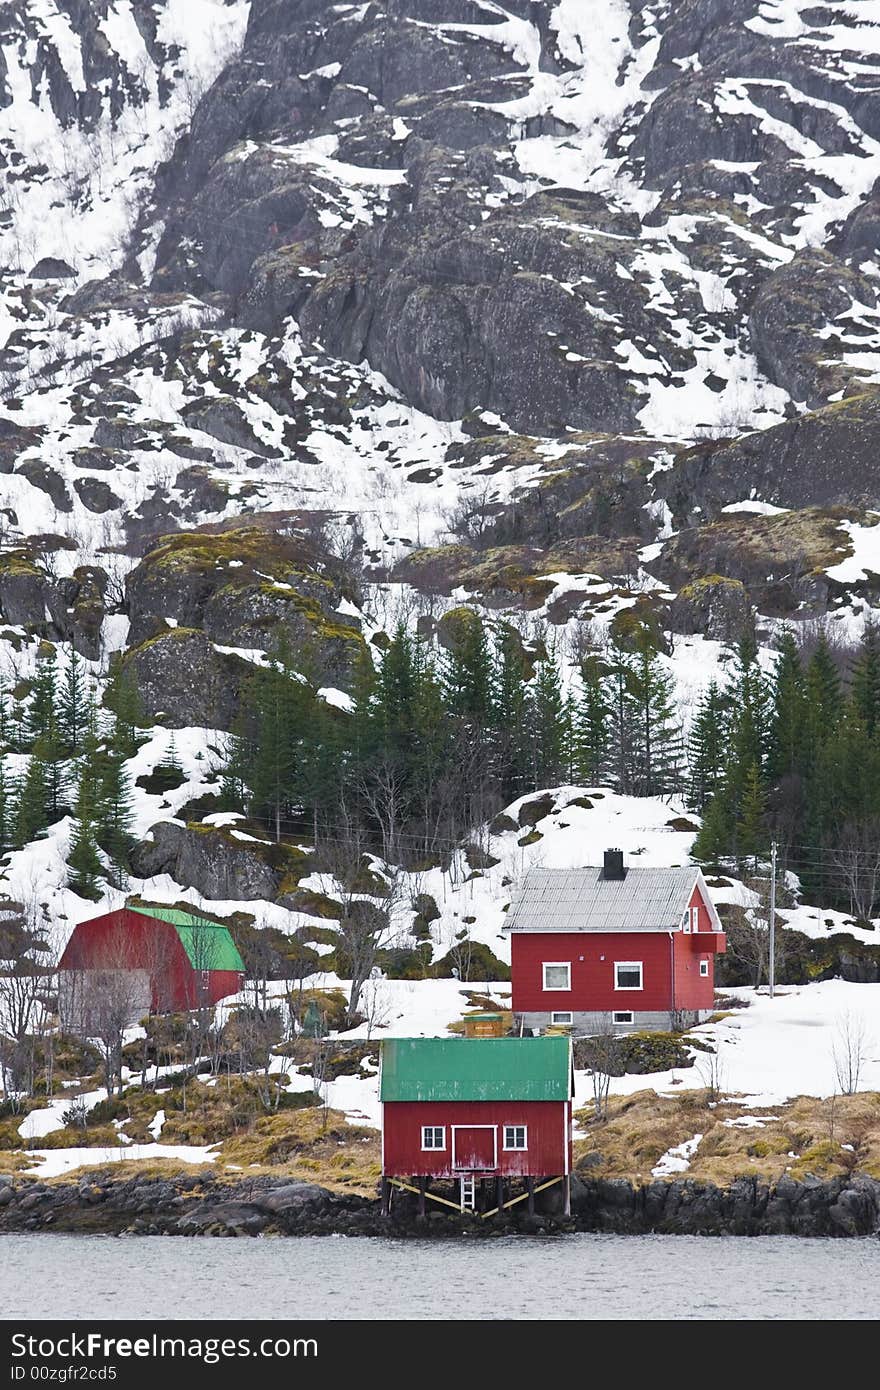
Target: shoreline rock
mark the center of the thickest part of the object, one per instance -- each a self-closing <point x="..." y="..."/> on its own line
<point x="200" y="1204"/>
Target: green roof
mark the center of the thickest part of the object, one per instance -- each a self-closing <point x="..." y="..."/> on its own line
<point x="476" y="1069"/>
<point x="208" y="945"/>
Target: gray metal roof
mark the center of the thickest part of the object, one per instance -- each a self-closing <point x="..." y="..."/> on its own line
<point x="582" y="900"/>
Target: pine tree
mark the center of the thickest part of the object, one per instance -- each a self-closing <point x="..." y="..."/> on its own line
<point x="7" y="809"/>
<point x="122" y="699"/>
<point x="824" y="693"/>
<point x="278" y="719"/>
<point x="657" y="733"/>
<point x="42" y="712"/>
<point x="623" y="717"/>
<point x="708" y="748"/>
<point x="749" y="706"/>
<point x="751" y="836"/>
<point x="714" y="839"/>
<point x="394" y="696"/>
<point x="32" y="819"/>
<point x="547" y="721"/>
<point x="788" y="722"/>
<point x="468" y="670"/>
<point x="83" y="858"/>
<point x="591" y="719"/>
<point x="72" y="705"/>
<point x="113" y="809"/>
<point x="511" y="759"/>
<point x="865" y="684"/>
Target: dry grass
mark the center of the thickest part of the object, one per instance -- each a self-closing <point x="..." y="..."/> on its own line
<point x="805" y="1136"/>
<point x="316" y="1145"/>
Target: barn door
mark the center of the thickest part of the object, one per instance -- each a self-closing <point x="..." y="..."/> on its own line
<point x="474" y="1147"/>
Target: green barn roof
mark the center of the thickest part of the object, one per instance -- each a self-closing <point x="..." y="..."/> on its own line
<point x="208" y="945"/>
<point x="476" y="1068"/>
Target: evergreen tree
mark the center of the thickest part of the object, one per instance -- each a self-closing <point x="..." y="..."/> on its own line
<point x="708" y="748"/>
<point x="824" y="693"/>
<point x="865" y="684"/>
<point x="113" y="808"/>
<point x="714" y="839"/>
<point x="749" y="706"/>
<point x="83" y="858"/>
<point x="281" y="708"/>
<point x="395" y="696"/>
<point x="591" y="719"/>
<point x="751" y="836"/>
<point x="548" y="724"/>
<point x="32" y="819"/>
<point x="657" y="735"/>
<point x="468" y="670"/>
<point x="171" y="761"/>
<point x="122" y="699"/>
<point x="7" y="809"/>
<point x="622" y="719"/>
<point x="788" y="748"/>
<point x="72" y="705"/>
<point x="509" y="716"/>
<point x="42" y="712"/>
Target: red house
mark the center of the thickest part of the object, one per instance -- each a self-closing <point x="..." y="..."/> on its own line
<point x="618" y="946"/>
<point x="471" y="1109"/>
<point x="154" y="959"/>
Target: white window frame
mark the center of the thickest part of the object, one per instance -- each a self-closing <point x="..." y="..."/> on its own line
<point x="434" y="1148"/>
<point x="515" y="1148"/>
<point x="561" y="1018"/>
<point x="704" y="969"/>
<point x="624" y="1018"/>
<point x="204" y="979"/>
<point x="695" y="919"/>
<point x="629" y="965"/>
<point x="556" y="965"/>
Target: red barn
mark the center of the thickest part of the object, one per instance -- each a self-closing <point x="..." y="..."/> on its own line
<point x="146" y="958"/>
<point x="470" y="1109"/>
<point x="613" y="946"/>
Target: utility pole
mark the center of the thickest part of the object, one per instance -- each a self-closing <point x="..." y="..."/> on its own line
<point x="772" y="964"/>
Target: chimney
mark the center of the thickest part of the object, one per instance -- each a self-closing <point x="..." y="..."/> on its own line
<point x="613" y="868"/>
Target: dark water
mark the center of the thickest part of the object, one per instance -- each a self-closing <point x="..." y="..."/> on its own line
<point x="585" y="1276"/>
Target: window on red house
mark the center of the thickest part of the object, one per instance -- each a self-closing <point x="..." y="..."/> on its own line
<point x="515" y="1137"/>
<point x="433" y="1137"/>
<point x="557" y="974"/>
<point x="628" y="974"/>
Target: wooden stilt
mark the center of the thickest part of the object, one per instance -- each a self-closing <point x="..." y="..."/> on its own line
<point x="566" y="1194"/>
<point x="386" y="1197"/>
<point x="530" y="1184"/>
<point x="499" y="1192"/>
<point x="423" y="1187"/>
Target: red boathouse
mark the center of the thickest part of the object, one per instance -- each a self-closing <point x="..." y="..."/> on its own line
<point x="142" y="959"/>
<point x="471" y="1109"/>
<point x="613" y="947"/>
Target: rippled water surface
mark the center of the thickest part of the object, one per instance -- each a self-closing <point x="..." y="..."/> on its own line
<point x="583" y="1276"/>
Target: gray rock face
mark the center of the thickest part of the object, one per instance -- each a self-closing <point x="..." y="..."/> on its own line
<point x="43" y="476"/>
<point x="182" y="679"/>
<point x="247" y="588"/>
<point x="98" y="496"/>
<point x="789" y="323"/>
<point x="223" y="419"/>
<point x="828" y="457"/>
<point x="715" y="606"/>
<point x="50" y="268"/>
<point x="217" y="864"/>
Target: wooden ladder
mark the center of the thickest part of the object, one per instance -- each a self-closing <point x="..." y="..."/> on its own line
<point x="468" y="1192"/>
